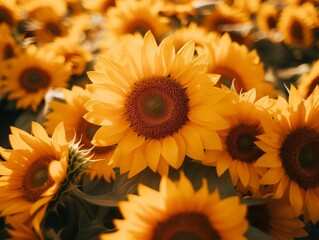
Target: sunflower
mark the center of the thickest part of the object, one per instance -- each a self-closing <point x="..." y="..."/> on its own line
<point x="8" y="45"/>
<point x="296" y="25"/>
<point x="32" y="173"/>
<point x="177" y="211"/>
<point x="275" y="217"/>
<point x="267" y="19"/>
<point x="131" y="16"/>
<point x="193" y="32"/>
<point x="291" y="143"/>
<point x="74" y="54"/>
<point x="47" y="25"/>
<point x="239" y="153"/>
<point x="237" y="65"/>
<point x="308" y="81"/>
<point x="157" y="106"/>
<point x="71" y="113"/>
<point x="31" y="74"/>
<point x="224" y="18"/>
<point x="9" y="12"/>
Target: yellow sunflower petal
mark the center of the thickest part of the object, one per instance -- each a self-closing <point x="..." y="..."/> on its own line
<point x="272" y="176"/>
<point x="243" y="173"/>
<point x="223" y="164"/>
<point x="282" y="186"/>
<point x="152" y="153"/>
<point x="194" y="145"/>
<point x="138" y="163"/>
<point x="296" y="197"/>
<point x="311" y="200"/>
<point x="170" y="151"/>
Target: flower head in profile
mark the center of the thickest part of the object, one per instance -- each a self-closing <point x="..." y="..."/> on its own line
<point x="31" y="74"/>
<point x="32" y="173"/>
<point x="239" y="152"/>
<point x="71" y="112"/>
<point x="157" y="106"/>
<point x="291" y="146"/>
<point x="177" y="211"/>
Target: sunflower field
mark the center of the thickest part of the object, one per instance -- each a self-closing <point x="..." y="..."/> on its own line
<point x="159" y="119"/>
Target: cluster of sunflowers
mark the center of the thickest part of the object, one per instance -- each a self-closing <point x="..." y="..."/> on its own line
<point x="159" y="119"/>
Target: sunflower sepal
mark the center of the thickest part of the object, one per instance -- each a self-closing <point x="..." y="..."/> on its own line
<point x="79" y="160"/>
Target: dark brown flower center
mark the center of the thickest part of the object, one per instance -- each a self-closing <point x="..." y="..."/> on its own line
<point x="227" y="77"/>
<point x="5" y="16"/>
<point x="85" y="133"/>
<point x="32" y="79"/>
<point x="185" y="226"/>
<point x="157" y="107"/>
<point x="258" y="216"/>
<point x="297" y="31"/>
<point x="140" y="26"/>
<point x="300" y="156"/>
<point x="272" y="22"/>
<point x="53" y="28"/>
<point x="240" y="143"/>
<point x="37" y="179"/>
<point x="314" y="83"/>
<point x="8" y="52"/>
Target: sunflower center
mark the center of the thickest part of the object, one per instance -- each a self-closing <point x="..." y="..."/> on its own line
<point x="300" y="156"/>
<point x="228" y="77"/>
<point x="185" y="226"/>
<point x="37" y="179"/>
<point x="8" y="52"/>
<point x="5" y="16"/>
<point x="157" y="107"/>
<point x="32" y="79"/>
<point x="53" y="28"/>
<point x="296" y="31"/>
<point x="272" y="22"/>
<point x="85" y="133"/>
<point x="258" y="216"/>
<point x="139" y="26"/>
<point x="240" y="143"/>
